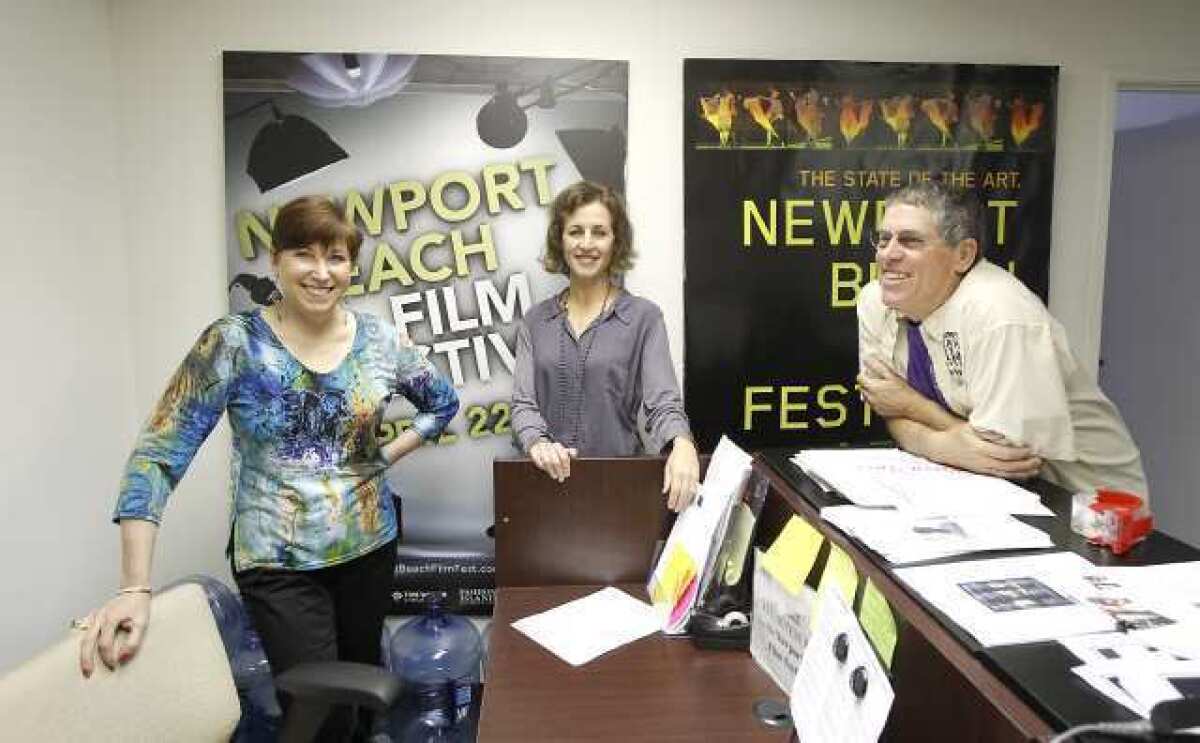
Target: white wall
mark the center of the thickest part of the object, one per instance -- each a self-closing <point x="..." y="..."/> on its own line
<point x="1151" y="343"/>
<point x="167" y="101"/>
<point x="67" y="373"/>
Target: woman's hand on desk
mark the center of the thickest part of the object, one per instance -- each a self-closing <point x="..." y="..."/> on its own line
<point x="681" y="476"/>
<point x="553" y="458"/>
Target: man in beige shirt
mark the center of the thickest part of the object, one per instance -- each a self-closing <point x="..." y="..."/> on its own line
<point x="969" y="368"/>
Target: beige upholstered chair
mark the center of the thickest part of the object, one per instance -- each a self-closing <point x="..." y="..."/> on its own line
<point x="179" y="688"/>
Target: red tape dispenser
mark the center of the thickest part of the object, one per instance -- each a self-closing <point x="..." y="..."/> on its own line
<point x="1111" y="518"/>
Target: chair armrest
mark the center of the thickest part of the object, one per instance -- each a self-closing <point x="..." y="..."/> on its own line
<point x="341" y="682"/>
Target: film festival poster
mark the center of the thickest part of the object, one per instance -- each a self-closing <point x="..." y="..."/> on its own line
<point x="447" y="165"/>
<point x="786" y="165"/>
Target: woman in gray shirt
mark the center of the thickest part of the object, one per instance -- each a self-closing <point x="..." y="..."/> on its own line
<point x="589" y="358"/>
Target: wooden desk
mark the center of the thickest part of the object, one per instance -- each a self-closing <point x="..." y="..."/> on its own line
<point x="655" y="689"/>
<point x="947" y="686"/>
<point x="943" y="690"/>
<point x="605" y="520"/>
<point x="557" y="542"/>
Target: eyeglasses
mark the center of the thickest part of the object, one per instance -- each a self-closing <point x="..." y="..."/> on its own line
<point x="908" y="240"/>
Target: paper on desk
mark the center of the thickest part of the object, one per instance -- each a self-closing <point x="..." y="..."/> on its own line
<point x="1107" y="647"/>
<point x="791" y="556"/>
<point x="891" y="477"/>
<point x="1179" y="580"/>
<point x="1138" y="685"/>
<point x="780" y="624"/>
<point x="823" y="705"/>
<point x="1012" y="600"/>
<point x="1162" y="682"/>
<point x="1106" y="678"/>
<point x="901" y="536"/>
<point x="1181" y="640"/>
<point x="1155" y="604"/>
<point x="1135" y="598"/>
<point x="688" y="557"/>
<point x="581" y="630"/>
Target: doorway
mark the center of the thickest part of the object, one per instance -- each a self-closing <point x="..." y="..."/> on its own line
<point x="1150" y="337"/>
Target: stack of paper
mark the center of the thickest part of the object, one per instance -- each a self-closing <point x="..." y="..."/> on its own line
<point x="687" y="559"/>
<point x="1013" y="600"/>
<point x="901" y="536"/>
<point x="895" y="478"/>
<point x="585" y="628"/>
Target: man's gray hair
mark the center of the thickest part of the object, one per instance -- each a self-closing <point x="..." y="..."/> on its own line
<point x="953" y="211"/>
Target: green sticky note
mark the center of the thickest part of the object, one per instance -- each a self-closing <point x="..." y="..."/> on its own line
<point x="791" y="556"/>
<point x="878" y="622"/>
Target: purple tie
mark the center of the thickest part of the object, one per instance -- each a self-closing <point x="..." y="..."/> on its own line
<point x="920" y="366"/>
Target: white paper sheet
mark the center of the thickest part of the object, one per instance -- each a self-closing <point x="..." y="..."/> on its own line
<point x="1012" y="600"/>
<point x="581" y="630"/>
<point x="1157" y="604"/>
<point x="780" y="625"/>
<point x="1107" y="678"/>
<point x="1150" y="685"/>
<point x="824" y="708"/>
<point x="1137" y="600"/>
<point x="901" y="536"/>
<point x="1110" y="647"/>
<point x="1182" y="640"/>
<point x="891" y="477"/>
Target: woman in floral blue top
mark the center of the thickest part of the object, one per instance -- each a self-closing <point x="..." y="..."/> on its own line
<point x="305" y="383"/>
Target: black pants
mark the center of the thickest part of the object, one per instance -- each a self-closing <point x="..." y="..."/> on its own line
<point x="333" y="613"/>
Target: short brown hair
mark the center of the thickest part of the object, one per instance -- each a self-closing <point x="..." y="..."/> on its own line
<point x="313" y="219"/>
<point x="572" y="198"/>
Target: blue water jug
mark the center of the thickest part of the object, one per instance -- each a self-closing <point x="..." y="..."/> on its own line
<point x="437" y="657"/>
<point x="226" y="609"/>
<point x="261" y="715"/>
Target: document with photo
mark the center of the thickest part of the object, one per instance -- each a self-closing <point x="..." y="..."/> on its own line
<point x="1157" y="604"/>
<point x="902" y="537"/>
<point x="1013" y="600"/>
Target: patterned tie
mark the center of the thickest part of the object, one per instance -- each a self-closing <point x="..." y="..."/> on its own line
<point x="920" y="366"/>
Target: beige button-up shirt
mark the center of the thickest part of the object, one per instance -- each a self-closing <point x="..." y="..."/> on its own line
<point x="1002" y="362"/>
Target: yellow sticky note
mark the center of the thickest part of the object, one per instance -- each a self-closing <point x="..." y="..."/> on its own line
<point x="671" y="582"/>
<point x="791" y="556"/>
<point x="878" y="622"/>
<point x="839" y="575"/>
<point x="839" y="568"/>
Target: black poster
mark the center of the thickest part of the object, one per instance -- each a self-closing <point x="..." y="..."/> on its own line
<point x="786" y="165"/>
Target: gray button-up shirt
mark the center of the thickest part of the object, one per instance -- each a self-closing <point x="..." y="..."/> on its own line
<point x="585" y="392"/>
